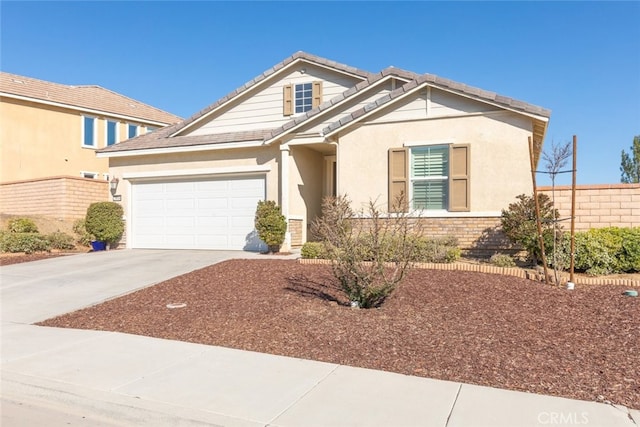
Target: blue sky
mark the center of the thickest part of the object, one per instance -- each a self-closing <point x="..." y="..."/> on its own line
<point x="579" y="59"/>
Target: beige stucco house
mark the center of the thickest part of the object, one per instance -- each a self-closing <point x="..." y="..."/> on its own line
<point x="49" y="129"/>
<point x="49" y="134"/>
<point x="310" y="127"/>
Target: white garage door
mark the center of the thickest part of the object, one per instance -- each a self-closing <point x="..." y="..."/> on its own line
<point x="196" y="213"/>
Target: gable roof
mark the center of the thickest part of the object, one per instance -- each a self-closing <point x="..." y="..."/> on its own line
<point x="90" y="97"/>
<point x="170" y="137"/>
<point x="292" y="60"/>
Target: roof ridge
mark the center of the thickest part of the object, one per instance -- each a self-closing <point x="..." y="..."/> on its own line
<point x="80" y="96"/>
<point x="268" y="72"/>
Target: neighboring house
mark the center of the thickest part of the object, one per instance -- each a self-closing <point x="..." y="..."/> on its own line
<point x="310" y="127"/>
<point x="49" y="129"/>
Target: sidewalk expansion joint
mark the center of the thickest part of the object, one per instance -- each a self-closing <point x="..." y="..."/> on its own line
<point x="454" y="404"/>
<point x="303" y="395"/>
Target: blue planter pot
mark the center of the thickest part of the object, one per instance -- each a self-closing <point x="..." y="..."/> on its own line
<point x="98" y="246"/>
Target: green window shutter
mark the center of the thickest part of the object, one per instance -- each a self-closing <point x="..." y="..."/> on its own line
<point x="288" y="100"/>
<point x="316" y="94"/>
<point x="398" y="179"/>
<point x="460" y="178"/>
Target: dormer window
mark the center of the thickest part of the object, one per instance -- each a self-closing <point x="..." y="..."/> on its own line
<point x="302" y="97"/>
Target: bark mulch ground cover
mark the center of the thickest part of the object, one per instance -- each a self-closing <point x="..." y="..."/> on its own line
<point x="8" y="259"/>
<point x="461" y="326"/>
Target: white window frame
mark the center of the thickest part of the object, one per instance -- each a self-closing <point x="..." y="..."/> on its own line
<point x="439" y="178"/>
<point x="94" y="175"/>
<point x="137" y="130"/>
<point x="106" y="131"/>
<point x="83" y="118"/>
<point x="310" y="98"/>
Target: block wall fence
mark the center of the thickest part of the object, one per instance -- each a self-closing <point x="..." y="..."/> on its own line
<point x="63" y="197"/>
<point x="598" y="206"/>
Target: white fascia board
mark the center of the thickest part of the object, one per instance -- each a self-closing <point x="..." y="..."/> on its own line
<point x="197" y="172"/>
<point x="495" y="104"/>
<point x="186" y="149"/>
<point x="84" y="110"/>
<point x="272" y="76"/>
<point x="332" y="108"/>
<point x="420" y="87"/>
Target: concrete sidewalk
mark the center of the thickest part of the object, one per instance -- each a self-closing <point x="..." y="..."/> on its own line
<point x="53" y="376"/>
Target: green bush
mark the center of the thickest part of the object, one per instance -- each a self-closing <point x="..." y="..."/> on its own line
<point x="607" y="250"/>
<point x="24" y="242"/>
<point x="22" y="225"/>
<point x="104" y="221"/>
<point x="313" y="250"/>
<point x="519" y="224"/>
<point x="270" y="224"/>
<point x="502" y="260"/>
<point x="60" y="240"/>
<point x="443" y="249"/>
<point x="83" y="237"/>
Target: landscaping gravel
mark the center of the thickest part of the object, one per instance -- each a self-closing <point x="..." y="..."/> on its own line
<point x="460" y="326"/>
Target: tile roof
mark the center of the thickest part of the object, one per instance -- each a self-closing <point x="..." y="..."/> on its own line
<point x="441" y="83"/>
<point x="88" y="97"/>
<point x="163" y="138"/>
<point x="293" y="58"/>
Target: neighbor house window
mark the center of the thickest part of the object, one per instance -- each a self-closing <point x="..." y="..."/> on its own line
<point x="91" y="175"/>
<point x="132" y="131"/>
<point x="150" y="129"/>
<point x="88" y="131"/>
<point x="301" y="97"/>
<point x="430" y="177"/>
<point x="112" y="132"/>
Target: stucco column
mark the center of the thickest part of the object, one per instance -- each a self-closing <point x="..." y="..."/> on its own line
<point x="284" y="193"/>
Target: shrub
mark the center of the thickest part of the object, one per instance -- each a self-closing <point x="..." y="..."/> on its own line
<point x="60" y="240"/>
<point x="360" y="250"/>
<point x="22" y="225"/>
<point x="313" y="250"/>
<point x="607" y="250"/>
<point x="519" y="224"/>
<point x="24" y="242"/>
<point x="444" y="249"/>
<point x="104" y="221"/>
<point x="83" y="237"/>
<point x="270" y="224"/>
<point x="502" y="260"/>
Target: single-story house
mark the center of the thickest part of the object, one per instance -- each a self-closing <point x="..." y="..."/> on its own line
<point x="310" y="127"/>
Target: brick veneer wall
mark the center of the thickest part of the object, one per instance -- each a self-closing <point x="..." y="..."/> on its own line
<point x="64" y="197"/>
<point x="597" y="206"/>
<point x="295" y="228"/>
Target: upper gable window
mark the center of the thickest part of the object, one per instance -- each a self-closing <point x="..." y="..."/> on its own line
<point x="301" y="97"/>
<point x="132" y="131"/>
<point x="112" y="132"/>
<point x="88" y="132"/>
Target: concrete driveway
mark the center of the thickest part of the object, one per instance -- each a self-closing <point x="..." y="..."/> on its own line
<point x="36" y="291"/>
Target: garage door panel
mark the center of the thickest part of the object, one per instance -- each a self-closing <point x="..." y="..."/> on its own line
<point x="196" y="214"/>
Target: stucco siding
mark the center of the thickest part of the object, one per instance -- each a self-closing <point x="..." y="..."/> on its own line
<point x="264" y="109"/>
<point x="305" y="185"/>
<point x="40" y="141"/>
<point x="499" y="157"/>
<point x="161" y="166"/>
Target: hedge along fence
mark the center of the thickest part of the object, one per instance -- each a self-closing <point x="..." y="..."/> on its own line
<point x="505" y="271"/>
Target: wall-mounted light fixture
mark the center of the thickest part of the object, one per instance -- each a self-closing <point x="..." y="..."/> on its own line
<point x="113" y="185"/>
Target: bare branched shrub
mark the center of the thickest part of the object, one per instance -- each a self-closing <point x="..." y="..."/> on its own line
<point x="370" y="252"/>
